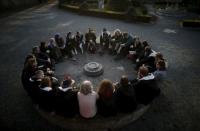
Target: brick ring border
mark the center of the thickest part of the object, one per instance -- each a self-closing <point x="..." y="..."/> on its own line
<point x="98" y="123"/>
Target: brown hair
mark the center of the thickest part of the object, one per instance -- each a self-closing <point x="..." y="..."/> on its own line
<point x="161" y="64"/>
<point x="31" y="62"/>
<point x="143" y="71"/>
<point x="159" y="56"/>
<point x="46" y="82"/>
<point x="106" y="89"/>
<point x="124" y="80"/>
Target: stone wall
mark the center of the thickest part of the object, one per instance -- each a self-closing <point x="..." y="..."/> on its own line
<point x="18" y="4"/>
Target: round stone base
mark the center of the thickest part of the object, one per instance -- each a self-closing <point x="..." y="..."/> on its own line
<point x="93" y="69"/>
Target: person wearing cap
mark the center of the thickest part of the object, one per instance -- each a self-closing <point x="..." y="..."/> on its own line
<point x="145" y="86"/>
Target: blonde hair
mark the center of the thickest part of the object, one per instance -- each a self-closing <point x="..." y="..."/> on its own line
<point x="86" y="87"/>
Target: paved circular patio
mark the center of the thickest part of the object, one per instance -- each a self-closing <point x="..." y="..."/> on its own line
<point x="178" y="106"/>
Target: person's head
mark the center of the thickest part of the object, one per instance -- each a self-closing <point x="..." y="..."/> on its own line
<point x="46" y="82"/>
<point x="158" y="56"/>
<point x="77" y="33"/>
<point x="86" y="87"/>
<point x="106" y="89"/>
<point x="160" y="65"/>
<point x="35" y="50"/>
<point x="39" y="74"/>
<point x="104" y="30"/>
<point x="125" y="34"/>
<point x="136" y="38"/>
<point x="90" y="30"/>
<point x="32" y="63"/>
<point x="43" y="44"/>
<point x="67" y="82"/>
<point x="28" y="57"/>
<point x="117" y="32"/>
<point x="60" y="39"/>
<point x="124" y="80"/>
<point x="145" y="44"/>
<point x="51" y="42"/>
<point x="143" y="71"/>
<point x="69" y="34"/>
<point x="57" y="35"/>
<point x="147" y="49"/>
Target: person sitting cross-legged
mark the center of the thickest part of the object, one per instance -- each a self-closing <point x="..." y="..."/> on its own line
<point x="116" y="40"/>
<point x="105" y="39"/>
<point x="123" y="49"/>
<point x="42" y="58"/>
<point x="90" y="41"/>
<point x="54" y="51"/>
<point x="147" y="58"/>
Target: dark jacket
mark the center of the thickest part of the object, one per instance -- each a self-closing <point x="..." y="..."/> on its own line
<point x="33" y="89"/>
<point x="46" y="98"/>
<point x="146" y="89"/>
<point x="107" y="107"/>
<point x="125" y="98"/>
<point x="66" y="102"/>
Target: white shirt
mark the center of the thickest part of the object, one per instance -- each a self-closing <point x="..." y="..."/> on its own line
<point x="87" y="104"/>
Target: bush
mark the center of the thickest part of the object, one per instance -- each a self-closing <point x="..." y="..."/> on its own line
<point x="131" y="11"/>
<point x="144" y="10"/>
<point x="191" y="23"/>
<point x="118" y="5"/>
<point x="84" y="6"/>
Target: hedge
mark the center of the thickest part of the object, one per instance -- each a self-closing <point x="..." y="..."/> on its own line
<point x="190" y="23"/>
<point x="109" y="14"/>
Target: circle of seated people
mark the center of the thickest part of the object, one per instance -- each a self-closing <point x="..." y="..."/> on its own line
<point x="119" y="100"/>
